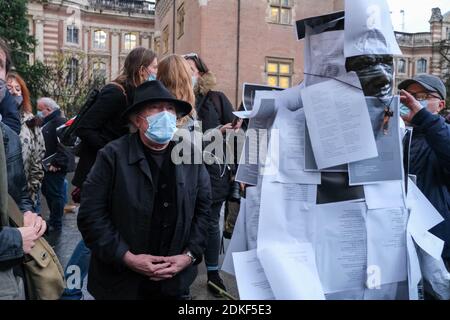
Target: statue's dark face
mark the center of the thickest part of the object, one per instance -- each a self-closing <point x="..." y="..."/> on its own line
<point x="375" y="73"/>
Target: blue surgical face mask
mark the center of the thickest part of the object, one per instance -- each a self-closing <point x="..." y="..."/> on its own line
<point x="404" y="110"/>
<point x="151" y="77"/>
<point x="19" y="100"/>
<point x="161" y="127"/>
<point x="194" y="81"/>
<point x="40" y="114"/>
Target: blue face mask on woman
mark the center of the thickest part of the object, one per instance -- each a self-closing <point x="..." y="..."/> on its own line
<point x="161" y="127"/>
<point x="151" y="77"/>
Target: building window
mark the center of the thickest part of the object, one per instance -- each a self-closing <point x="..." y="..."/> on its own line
<point x="421" y="66"/>
<point x="99" y="39"/>
<point x="279" y="72"/>
<point x="99" y="71"/>
<point x="165" y="38"/>
<point x="72" y="71"/>
<point x="130" y="41"/>
<point x="280" y="11"/>
<point x="448" y="33"/>
<point x="72" y="34"/>
<point x="401" y="66"/>
<point x="180" y="21"/>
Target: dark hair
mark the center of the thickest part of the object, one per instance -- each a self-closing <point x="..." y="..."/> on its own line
<point x="5" y="48"/>
<point x="201" y="66"/>
<point x="137" y="58"/>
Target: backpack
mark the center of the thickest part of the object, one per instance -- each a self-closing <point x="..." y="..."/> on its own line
<point x="66" y="133"/>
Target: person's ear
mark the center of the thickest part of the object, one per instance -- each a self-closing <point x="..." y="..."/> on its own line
<point x="441" y="105"/>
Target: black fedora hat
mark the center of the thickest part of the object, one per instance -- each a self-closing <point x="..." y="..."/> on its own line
<point x="155" y="91"/>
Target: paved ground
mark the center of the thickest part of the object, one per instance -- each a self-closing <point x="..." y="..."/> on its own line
<point x="70" y="236"/>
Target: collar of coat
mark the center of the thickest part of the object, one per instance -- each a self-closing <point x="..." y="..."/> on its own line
<point x="205" y="83"/>
<point x="136" y="155"/>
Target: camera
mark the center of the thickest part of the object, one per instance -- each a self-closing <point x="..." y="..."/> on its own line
<point x="235" y="192"/>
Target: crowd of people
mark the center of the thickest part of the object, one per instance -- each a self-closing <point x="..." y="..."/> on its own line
<point x="146" y="222"/>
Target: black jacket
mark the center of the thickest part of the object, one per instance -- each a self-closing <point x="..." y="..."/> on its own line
<point x="116" y="213"/>
<point x="63" y="159"/>
<point x="101" y="125"/>
<point x="17" y="182"/>
<point x="8" y="109"/>
<point x="214" y="110"/>
<point x="430" y="162"/>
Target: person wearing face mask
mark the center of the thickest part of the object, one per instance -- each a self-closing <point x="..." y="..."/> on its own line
<point x="143" y="216"/>
<point x="175" y="74"/>
<point x="423" y="98"/>
<point x="31" y="138"/>
<point x="101" y="125"/>
<point x="8" y="110"/>
<point x="216" y="113"/>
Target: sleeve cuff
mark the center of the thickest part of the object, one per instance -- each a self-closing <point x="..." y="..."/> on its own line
<point x="422" y="117"/>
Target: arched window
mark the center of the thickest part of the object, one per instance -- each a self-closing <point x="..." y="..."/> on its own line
<point x="421" y="65"/>
<point x="401" y="66"/>
<point x="130" y="41"/>
<point x="99" y="39"/>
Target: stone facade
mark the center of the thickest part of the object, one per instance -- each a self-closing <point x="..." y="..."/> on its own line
<point x="240" y="40"/>
<point x="424" y="52"/>
<point x="103" y="31"/>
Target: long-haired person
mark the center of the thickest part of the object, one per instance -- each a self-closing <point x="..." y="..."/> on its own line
<point x="31" y="138"/>
<point x="175" y="73"/>
<point x="216" y="113"/>
<point x="103" y="124"/>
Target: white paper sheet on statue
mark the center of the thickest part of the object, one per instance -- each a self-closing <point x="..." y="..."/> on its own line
<point x="386" y="246"/>
<point x="389" y="194"/>
<point x="414" y="272"/>
<point x="425" y="214"/>
<point x="341" y="248"/>
<point x="238" y="242"/>
<point x="310" y="161"/>
<point x="258" y="110"/>
<point x="388" y="166"/>
<point x="250" y="277"/>
<point x="256" y="138"/>
<point x="390" y="291"/>
<point x="338" y="122"/>
<point x="291" y="156"/>
<point x="252" y="203"/>
<point x="324" y="56"/>
<point x="435" y="272"/>
<point x="368" y="29"/>
<point x="291" y="271"/>
<point x="284" y="213"/>
<point x="290" y="98"/>
<point x="423" y="217"/>
<point x="249" y="91"/>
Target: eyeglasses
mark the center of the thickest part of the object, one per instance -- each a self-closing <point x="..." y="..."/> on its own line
<point x="421" y="96"/>
<point x="190" y="55"/>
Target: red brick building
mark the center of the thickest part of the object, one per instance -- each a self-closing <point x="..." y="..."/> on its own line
<point x="103" y="31"/>
<point x="240" y="40"/>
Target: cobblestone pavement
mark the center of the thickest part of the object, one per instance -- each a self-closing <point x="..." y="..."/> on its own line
<point x="65" y="243"/>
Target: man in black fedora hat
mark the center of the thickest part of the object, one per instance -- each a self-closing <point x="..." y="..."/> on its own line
<point x="423" y="98"/>
<point x="145" y="218"/>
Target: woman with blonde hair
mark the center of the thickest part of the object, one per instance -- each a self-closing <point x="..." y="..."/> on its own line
<point x="31" y="138"/>
<point x="175" y="74"/>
